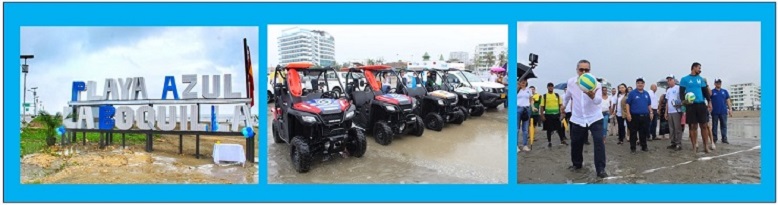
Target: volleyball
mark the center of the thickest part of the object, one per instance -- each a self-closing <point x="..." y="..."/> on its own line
<point x="690" y="97"/>
<point x="587" y="82"/>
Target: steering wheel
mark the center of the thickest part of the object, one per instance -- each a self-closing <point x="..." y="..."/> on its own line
<point x="330" y="94"/>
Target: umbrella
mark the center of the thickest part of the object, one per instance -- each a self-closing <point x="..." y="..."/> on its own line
<point x="560" y="86"/>
<point x="523" y="69"/>
<point x="498" y="69"/>
<point x="662" y="83"/>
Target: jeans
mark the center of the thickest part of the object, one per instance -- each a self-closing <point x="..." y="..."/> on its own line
<point x="524" y="124"/>
<point x="638" y="129"/>
<point x="605" y="116"/>
<point x="622" y="129"/>
<point x="654" y="124"/>
<point x="720" y="118"/>
<point x="578" y="135"/>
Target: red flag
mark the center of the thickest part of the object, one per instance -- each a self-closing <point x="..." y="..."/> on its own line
<point x="249" y="72"/>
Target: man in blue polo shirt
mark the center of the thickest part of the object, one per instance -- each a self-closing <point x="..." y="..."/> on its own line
<point x="696" y="110"/>
<point x="721" y="108"/>
<point x="639" y="115"/>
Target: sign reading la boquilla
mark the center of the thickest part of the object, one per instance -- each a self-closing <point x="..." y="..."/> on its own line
<point x="182" y="112"/>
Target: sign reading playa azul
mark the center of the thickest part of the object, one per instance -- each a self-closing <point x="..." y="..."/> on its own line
<point x="124" y="104"/>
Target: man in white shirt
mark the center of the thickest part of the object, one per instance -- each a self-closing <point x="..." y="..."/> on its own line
<point x="586" y="117"/>
<point x="673" y="114"/>
<point x="654" y="108"/>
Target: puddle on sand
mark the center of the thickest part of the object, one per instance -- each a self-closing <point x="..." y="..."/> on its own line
<point x="474" y="152"/>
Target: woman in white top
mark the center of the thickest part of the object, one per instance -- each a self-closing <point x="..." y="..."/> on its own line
<point x="524" y="101"/>
<point x="618" y="112"/>
<point x="606" y="111"/>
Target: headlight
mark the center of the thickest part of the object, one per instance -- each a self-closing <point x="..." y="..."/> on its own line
<point x="440" y="102"/>
<point x="349" y="115"/>
<point x="309" y="119"/>
<point x="464" y="96"/>
<point x="390" y="108"/>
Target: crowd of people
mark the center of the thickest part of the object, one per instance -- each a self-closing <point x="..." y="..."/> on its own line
<point x="687" y="103"/>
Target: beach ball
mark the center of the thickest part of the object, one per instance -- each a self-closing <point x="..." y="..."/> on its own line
<point x="587" y="82"/>
<point x="690" y="97"/>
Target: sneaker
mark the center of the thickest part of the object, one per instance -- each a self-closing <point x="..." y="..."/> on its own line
<point x="573" y="167"/>
<point x="620" y="143"/>
<point x="602" y="174"/>
<point x="725" y="141"/>
<point x="526" y="149"/>
<point x="549" y="144"/>
<point x="713" y="146"/>
<point x="587" y="143"/>
<point x="648" y="139"/>
<point x="678" y="148"/>
<point x="564" y="142"/>
<point x="645" y="149"/>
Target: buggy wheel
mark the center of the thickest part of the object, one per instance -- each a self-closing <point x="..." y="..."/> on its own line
<point x="357" y="144"/>
<point x="301" y="154"/>
<point x="434" y="121"/>
<point x="382" y="133"/>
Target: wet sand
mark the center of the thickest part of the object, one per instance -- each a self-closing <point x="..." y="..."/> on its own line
<point x="735" y="163"/>
<point x="77" y="164"/>
<point x="474" y="152"/>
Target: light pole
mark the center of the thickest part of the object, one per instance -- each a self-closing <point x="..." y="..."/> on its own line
<point x="34" y="100"/>
<point x="25" y="70"/>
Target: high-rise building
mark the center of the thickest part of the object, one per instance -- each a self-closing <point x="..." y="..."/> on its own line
<point x="304" y="45"/>
<point x="483" y="50"/>
<point x="461" y="56"/>
<point x="745" y="96"/>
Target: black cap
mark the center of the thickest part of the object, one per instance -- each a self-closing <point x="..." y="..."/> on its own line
<point x="718" y="80"/>
<point x="670" y="76"/>
<point x="550" y="85"/>
<point x="640" y="79"/>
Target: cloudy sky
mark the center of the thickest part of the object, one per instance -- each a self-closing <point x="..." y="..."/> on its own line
<point x="67" y="54"/>
<point x="621" y="52"/>
<point x="393" y="42"/>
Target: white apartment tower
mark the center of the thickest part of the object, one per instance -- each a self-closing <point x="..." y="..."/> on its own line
<point x="482" y="50"/>
<point x="303" y="45"/>
<point x="745" y="96"/>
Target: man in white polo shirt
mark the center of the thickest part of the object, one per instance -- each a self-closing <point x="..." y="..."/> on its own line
<point x="674" y="113"/>
<point x="586" y="117"/>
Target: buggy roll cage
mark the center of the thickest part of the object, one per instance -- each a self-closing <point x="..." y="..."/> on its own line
<point x="292" y="79"/>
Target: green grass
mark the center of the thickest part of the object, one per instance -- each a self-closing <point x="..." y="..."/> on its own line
<point x="34" y="140"/>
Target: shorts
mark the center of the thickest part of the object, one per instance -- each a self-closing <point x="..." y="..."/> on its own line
<point x="552" y="123"/>
<point x="696" y="113"/>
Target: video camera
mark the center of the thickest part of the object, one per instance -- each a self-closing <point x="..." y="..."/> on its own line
<point x="533" y="60"/>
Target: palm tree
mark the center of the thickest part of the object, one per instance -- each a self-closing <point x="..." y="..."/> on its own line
<point x="502" y="58"/>
<point x="370" y="62"/>
<point x="489" y="58"/>
<point x="50" y="123"/>
<point x="426" y="56"/>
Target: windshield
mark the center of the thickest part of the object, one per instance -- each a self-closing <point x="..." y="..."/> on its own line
<point x="471" y="77"/>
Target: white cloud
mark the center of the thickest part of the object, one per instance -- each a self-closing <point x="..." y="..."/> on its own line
<point x="393" y="42"/>
<point x="172" y="51"/>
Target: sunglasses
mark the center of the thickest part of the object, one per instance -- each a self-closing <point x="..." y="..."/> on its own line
<point x="583" y="70"/>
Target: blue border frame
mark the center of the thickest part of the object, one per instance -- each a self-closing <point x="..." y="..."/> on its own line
<point x="261" y="14"/>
